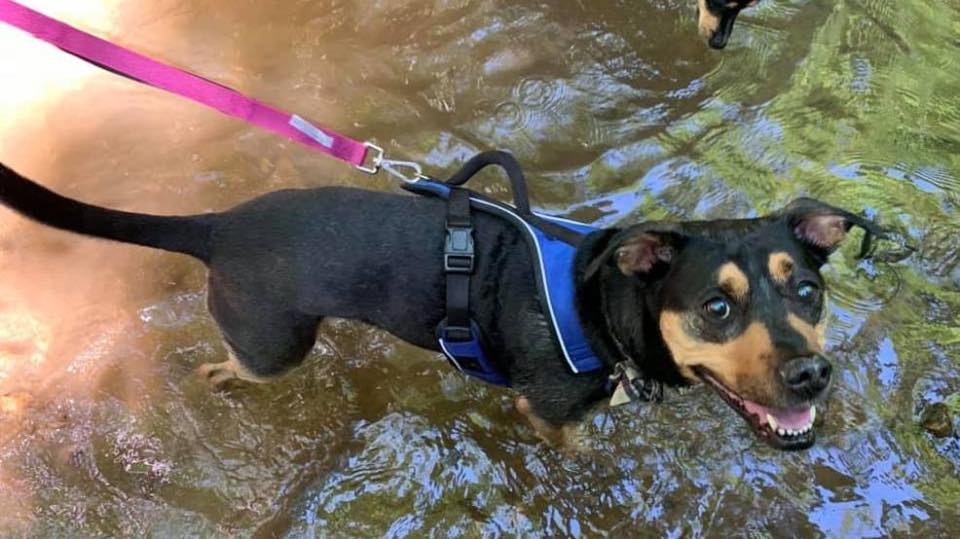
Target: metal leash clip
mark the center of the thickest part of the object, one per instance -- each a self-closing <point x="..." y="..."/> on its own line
<point x="392" y="166"/>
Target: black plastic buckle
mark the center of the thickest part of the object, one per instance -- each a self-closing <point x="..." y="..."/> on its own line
<point x="458" y="251"/>
<point x="455" y="333"/>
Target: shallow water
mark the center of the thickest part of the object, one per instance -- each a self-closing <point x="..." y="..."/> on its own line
<point x="619" y="113"/>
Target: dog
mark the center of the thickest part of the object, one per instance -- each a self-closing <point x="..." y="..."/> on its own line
<point x="736" y="304"/>
<point x="716" y="18"/>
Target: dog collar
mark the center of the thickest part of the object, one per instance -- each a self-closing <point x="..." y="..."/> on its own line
<point x="628" y="385"/>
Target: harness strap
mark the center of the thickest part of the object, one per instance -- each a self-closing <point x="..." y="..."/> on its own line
<point x="518" y="184"/>
<point x="508" y="163"/>
<point x="459" y="336"/>
<point x="458" y="258"/>
<point x="148" y="71"/>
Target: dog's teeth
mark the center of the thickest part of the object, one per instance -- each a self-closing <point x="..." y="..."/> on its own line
<point x="781" y="432"/>
<point x="813" y="414"/>
<point x="772" y="421"/>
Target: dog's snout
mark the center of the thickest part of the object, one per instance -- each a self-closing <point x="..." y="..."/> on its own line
<point x="717" y="41"/>
<point x="807" y="376"/>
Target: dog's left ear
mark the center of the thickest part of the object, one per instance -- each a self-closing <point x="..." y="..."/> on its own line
<point x="822" y="228"/>
<point x="643" y="250"/>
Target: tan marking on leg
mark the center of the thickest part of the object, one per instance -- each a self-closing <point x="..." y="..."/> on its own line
<point x="780" y="265"/>
<point x="708" y="22"/>
<point x="745" y="364"/>
<point x="734" y="281"/>
<point x="544" y="430"/>
<point x="814" y="335"/>
<point x="567" y="438"/>
<point x="218" y="374"/>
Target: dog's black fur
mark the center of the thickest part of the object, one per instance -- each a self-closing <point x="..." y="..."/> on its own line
<point x="280" y="263"/>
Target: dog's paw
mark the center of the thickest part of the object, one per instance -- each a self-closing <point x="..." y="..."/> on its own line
<point x="216" y="375"/>
<point x="573" y="440"/>
<point x="569" y="439"/>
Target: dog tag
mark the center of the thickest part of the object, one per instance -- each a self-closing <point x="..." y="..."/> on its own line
<point x="620" y="396"/>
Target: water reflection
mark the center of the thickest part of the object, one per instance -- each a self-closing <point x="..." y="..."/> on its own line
<point x="620" y="114"/>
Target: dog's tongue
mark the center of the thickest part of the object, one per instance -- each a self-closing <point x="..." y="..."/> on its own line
<point x="794" y="419"/>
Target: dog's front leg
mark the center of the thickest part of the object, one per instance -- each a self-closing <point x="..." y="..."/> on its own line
<point x="566" y="437"/>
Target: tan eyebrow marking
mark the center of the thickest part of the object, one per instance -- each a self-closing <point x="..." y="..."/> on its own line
<point x="780" y="265"/>
<point x="733" y="281"/>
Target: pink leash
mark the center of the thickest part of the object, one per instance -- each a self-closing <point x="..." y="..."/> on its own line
<point x="177" y="81"/>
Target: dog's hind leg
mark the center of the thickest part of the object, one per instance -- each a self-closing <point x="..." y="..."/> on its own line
<point x="218" y="374"/>
<point x="263" y="341"/>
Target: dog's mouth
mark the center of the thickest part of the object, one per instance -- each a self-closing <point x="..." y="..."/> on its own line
<point x="789" y="429"/>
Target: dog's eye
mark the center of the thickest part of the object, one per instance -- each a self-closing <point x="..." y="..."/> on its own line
<point x="807" y="289"/>
<point x="718" y="308"/>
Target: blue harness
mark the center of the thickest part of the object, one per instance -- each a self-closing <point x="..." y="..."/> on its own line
<point x="554" y="267"/>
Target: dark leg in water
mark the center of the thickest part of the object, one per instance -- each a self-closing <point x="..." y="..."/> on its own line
<point x="264" y="341"/>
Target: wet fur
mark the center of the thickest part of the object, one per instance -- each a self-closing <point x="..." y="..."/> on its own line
<point x="282" y="262"/>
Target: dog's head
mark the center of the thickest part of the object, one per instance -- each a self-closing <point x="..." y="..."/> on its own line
<point x="739" y="305"/>
<point x="716" y="18"/>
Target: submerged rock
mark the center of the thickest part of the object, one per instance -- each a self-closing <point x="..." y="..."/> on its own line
<point x="937" y="420"/>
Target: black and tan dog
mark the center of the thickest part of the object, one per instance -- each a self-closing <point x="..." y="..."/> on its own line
<point x="716" y="17"/>
<point x="737" y="304"/>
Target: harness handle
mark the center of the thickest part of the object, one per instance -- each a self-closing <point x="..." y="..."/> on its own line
<point x="510" y="165"/>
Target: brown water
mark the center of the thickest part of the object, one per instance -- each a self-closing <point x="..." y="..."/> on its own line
<point x="619" y="113"/>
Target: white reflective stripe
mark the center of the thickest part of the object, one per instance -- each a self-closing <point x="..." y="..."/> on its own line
<point x="559" y="219"/>
<point x="311" y="131"/>
<point x="543" y="277"/>
<point x="450" y="356"/>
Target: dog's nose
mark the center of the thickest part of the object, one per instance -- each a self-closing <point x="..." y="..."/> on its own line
<point x="718" y="40"/>
<point x="806" y="376"/>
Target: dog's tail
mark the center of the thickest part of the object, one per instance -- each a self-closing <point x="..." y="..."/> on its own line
<point x="181" y="234"/>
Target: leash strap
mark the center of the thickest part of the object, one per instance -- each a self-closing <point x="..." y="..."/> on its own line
<point x="138" y="67"/>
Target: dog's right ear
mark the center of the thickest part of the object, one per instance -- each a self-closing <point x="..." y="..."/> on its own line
<point x="644" y="251"/>
<point x="821" y="228"/>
